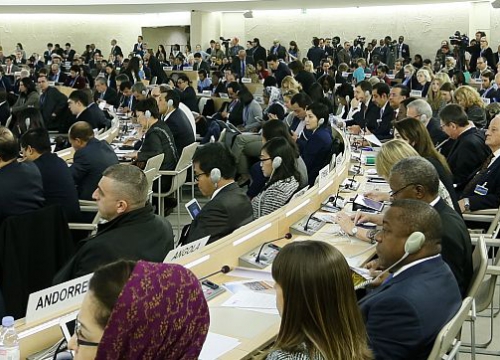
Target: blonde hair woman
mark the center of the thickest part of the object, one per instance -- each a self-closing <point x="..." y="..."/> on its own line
<point x="309" y="66"/>
<point x="434" y="97"/>
<point x="468" y="98"/>
<point x="289" y="83"/>
<point x="424" y="79"/>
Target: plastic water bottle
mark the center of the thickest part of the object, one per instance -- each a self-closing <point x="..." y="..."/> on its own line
<point x="9" y="340"/>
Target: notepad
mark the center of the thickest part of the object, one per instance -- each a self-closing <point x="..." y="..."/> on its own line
<point x="217" y="345"/>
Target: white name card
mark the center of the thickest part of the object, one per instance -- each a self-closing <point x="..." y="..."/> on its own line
<point x="183" y="251"/>
<point x="207" y="92"/>
<point x="416" y="93"/>
<point x="299" y="193"/>
<point x="486" y="101"/>
<point x="368" y="75"/>
<point x="391" y="76"/>
<point x="323" y="175"/>
<point x="345" y="74"/>
<point x="168" y="68"/>
<point x="246" y="80"/>
<point x="57" y="298"/>
<point x="187" y="68"/>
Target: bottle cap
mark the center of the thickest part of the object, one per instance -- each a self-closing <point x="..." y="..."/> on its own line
<point x="7" y="321"/>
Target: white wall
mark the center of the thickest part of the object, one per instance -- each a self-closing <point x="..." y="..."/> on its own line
<point x="423" y="26"/>
<point x="166" y="36"/>
<point x="35" y="31"/>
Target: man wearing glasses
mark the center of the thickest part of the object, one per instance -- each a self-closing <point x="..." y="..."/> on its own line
<point x="229" y="208"/>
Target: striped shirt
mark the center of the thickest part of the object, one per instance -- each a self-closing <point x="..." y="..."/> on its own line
<point x="274" y="197"/>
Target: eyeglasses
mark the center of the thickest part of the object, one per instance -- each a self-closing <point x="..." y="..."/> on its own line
<point x="197" y="176"/>
<point x="79" y="341"/>
<point x="392" y="194"/>
<point x="265" y="159"/>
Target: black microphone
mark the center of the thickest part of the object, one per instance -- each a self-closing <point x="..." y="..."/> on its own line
<point x="224" y="270"/>
<point x="287" y="236"/>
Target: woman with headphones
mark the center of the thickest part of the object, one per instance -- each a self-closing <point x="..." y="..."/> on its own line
<point x="317" y="150"/>
<point x="277" y="162"/>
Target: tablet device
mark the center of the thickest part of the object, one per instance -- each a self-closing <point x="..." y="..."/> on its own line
<point x="193" y="208"/>
<point x="67" y="325"/>
<point x="368" y="203"/>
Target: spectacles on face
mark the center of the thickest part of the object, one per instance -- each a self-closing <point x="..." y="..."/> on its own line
<point x="392" y="194"/>
<point x="265" y="159"/>
<point x="79" y="341"/>
<point x="197" y="176"/>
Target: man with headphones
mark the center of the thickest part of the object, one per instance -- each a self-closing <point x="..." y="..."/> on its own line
<point x="405" y="313"/>
<point x="229" y="208"/>
<point x="363" y="109"/>
<point x="176" y="119"/>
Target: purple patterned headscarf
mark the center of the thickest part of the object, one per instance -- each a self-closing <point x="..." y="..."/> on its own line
<point x="160" y="314"/>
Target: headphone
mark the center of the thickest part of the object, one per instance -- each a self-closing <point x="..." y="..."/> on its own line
<point x="367" y="94"/>
<point x="144" y="92"/>
<point x="414" y="242"/>
<point x="147" y="114"/>
<point x="277" y="161"/>
<point x="321" y="122"/>
<point x="215" y="176"/>
<point x="170" y="103"/>
<point x="423" y="117"/>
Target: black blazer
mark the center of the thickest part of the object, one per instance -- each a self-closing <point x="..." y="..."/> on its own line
<point x="58" y="185"/>
<point x="203" y="65"/>
<point x="456" y="247"/>
<point x="110" y="96"/>
<point x="306" y="79"/>
<point x="188" y="98"/>
<point x="488" y="54"/>
<point x="259" y="53"/>
<point x="315" y="54"/>
<point x="156" y="69"/>
<point x="88" y="165"/>
<point x="4" y="113"/>
<point x="236" y="65"/>
<point x="381" y="126"/>
<point x="467" y="154"/>
<point x="228" y="211"/>
<point x="94" y="116"/>
<point x="181" y="129"/>
<point x="492" y="179"/>
<point x="280" y="51"/>
<point x="366" y="115"/>
<point x="121" y="238"/>
<point x="281" y="72"/>
<point x="21" y="189"/>
<point x="52" y="101"/>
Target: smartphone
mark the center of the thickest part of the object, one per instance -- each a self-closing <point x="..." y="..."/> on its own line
<point x="368" y="203"/>
<point x="67" y="325"/>
<point x="193" y="208"/>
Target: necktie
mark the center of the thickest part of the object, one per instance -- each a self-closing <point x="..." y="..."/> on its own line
<point x="471" y="185"/>
<point x="243" y="68"/>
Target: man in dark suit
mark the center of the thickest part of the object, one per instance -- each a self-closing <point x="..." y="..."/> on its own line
<point x="482" y="190"/>
<point x="4" y="107"/>
<point x="115" y="49"/>
<point x="176" y="120"/>
<point x="139" y="46"/>
<point x="69" y="53"/>
<point x="229" y="207"/>
<point x="83" y="110"/>
<point x="456" y="248"/>
<point x="315" y="53"/>
<point x="404" y="315"/>
<point x="489" y="89"/>
<point x="217" y="85"/>
<point x="280" y="69"/>
<point x="365" y="110"/>
<point x="259" y="53"/>
<point x="305" y="78"/>
<point x="156" y="69"/>
<point x="91" y="158"/>
<point x="200" y="64"/>
<point x="21" y="188"/>
<point x="129" y="217"/>
<point x="105" y="93"/>
<point x="10" y="67"/>
<point x="47" y="54"/>
<point x="469" y="150"/>
<point x="403" y="50"/>
<point x="344" y="55"/>
<point x="56" y="75"/>
<point x="278" y="50"/>
<point x="5" y="82"/>
<point x="58" y="185"/>
<point x="240" y="63"/>
<point x="53" y="105"/>
<point x="382" y="126"/>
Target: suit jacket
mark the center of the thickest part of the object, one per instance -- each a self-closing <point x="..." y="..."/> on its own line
<point x="5" y="83"/>
<point x="203" y="65"/>
<point x="188" y="98"/>
<point x="468" y="153"/>
<point x="315" y="54"/>
<point x="491" y="177"/>
<point x="157" y="70"/>
<point x="316" y="152"/>
<point x="382" y="125"/>
<point x="52" y="101"/>
<point x="306" y="79"/>
<point x="367" y="114"/>
<point x="121" y="238"/>
<point x="4" y="113"/>
<point x="456" y="247"/>
<point x="259" y="53"/>
<point x="488" y="54"/>
<point x="181" y="129"/>
<point x="226" y="212"/>
<point x="403" y="51"/>
<point x="110" y="96"/>
<point x="281" y="72"/>
<point x="78" y="83"/>
<point x="236" y="65"/>
<point x="94" y="116"/>
<point x="88" y="165"/>
<point x="220" y="88"/>
<point x="21" y="189"/>
<point x="404" y="315"/>
<point x="279" y="50"/>
<point x="58" y="78"/>
<point x="116" y="50"/>
<point x="58" y="185"/>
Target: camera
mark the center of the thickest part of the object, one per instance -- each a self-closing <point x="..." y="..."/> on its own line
<point x="225" y="42"/>
<point x="461" y="40"/>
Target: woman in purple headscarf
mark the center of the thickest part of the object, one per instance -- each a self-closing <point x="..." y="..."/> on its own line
<point x="141" y="310"/>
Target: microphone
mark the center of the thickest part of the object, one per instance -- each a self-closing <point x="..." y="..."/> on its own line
<point x="224" y="270"/>
<point x="287" y="236"/>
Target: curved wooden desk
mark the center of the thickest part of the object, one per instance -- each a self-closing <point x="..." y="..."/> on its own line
<point x="254" y="330"/>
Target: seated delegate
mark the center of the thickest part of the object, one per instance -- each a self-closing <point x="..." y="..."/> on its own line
<point x="141" y="311"/>
<point x="277" y="162"/>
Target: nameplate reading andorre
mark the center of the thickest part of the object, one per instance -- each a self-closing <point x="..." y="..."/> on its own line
<point x="185" y="250"/>
<point x="57" y="298"/>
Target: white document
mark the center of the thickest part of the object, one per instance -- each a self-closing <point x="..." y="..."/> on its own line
<point x="254" y="274"/>
<point x="217" y="345"/>
<point x="373" y="139"/>
<point x="252" y="300"/>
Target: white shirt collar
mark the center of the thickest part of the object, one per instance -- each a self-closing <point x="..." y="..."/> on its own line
<point x="435" y="201"/>
<point x="412" y="264"/>
<point x="496" y="154"/>
<point x="219" y="189"/>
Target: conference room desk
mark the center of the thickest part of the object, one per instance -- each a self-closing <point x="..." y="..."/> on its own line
<point x="254" y="330"/>
<point x="66" y="90"/>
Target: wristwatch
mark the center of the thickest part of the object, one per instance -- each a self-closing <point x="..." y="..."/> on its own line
<point x="371" y="235"/>
<point x="466" y="204"/>
<point x="354" y="231"/>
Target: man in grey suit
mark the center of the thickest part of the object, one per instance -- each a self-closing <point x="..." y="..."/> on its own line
<point x="229" y="208"/>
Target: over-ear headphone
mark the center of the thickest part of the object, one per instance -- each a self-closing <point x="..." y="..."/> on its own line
<point x="367" y="94"/>
<point x="321" y="122"/>
<point x="215" y="176"/>
<point x="277" y="161"/>
<point x="144" y="92"/>
<point x="423" y="118"/>
<point x="170" y="103"/>
<point x="414" y="242"/>
<point x="147" y="114"/>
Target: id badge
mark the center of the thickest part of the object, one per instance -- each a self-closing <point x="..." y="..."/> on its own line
<point x="481" y="190"/>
